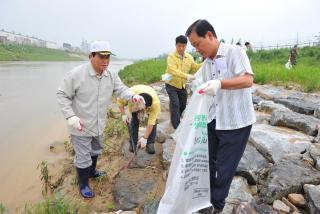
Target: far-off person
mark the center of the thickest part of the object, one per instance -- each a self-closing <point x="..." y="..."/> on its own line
<point x="248" y="46"/>
<point x="293" y="55"/>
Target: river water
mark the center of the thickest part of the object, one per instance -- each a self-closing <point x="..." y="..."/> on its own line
<point x="30" y="120"/>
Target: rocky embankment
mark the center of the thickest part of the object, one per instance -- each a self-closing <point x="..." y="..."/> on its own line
<point x="278" y="173"/>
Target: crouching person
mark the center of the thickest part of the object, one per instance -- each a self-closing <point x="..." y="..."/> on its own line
<point x="84" y="96"/>
<point x="140" y="113"/>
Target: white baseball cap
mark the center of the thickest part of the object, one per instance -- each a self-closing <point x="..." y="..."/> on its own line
<point x="102" y="47"/>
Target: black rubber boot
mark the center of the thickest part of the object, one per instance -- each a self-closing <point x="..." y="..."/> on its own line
<point x="83" y="179"/>
<point x="150" y="148"/>
<point x="93" y="172"/>
<point x="132" y="147"/>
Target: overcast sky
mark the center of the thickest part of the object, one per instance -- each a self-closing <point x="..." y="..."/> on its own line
<point x="147" y="28"/>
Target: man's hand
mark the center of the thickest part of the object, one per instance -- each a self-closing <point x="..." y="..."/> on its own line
<point x="126" y="119"/>
<point x="138" y="98"/>
<point x="211" y="87"/>
<point x="76" y="123"/>
<point x="142" y="142"/>
<point x="190" y="77"/>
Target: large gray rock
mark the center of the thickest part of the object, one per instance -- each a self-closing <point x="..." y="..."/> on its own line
<point x="274" y="142"/>
<point x="251" y="163"/>
<point x="164" y="130"/>
<point x="315" y="154"/>
<point x="262" y="117"/>
<point x="167" y="152"/>
<point x="151" y="207"/>
<point x="308" y="97"/>
<point x="270" y="93"/>
<point x="280" y="206"/>
<point x="159" y="88"/>
<point x="317" y="138"/>
<point x="164" y="102"/>
<point x="317" y="113"/>
<point x="239" y="192"/>
<point x="264" y="209"/>
<point x="313" y="197"/>
<point x="134" y="188"/>
<point x="298" y="105"/>
<point x="141" y="160"/>
<point x="269" y="106"/>
<point x="256" y="99"/>
<point x="305" y="123"/>
<point x="163" y="117"/>
<point x="288" y="176"/>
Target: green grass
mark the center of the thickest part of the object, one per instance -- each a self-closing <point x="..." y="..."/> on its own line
<point x="55" y="205"/>
<point x="15" y="52"/>
<point x="3" y="209"/>
<point x="268" y="67"/>
<point x="143" y="72"/>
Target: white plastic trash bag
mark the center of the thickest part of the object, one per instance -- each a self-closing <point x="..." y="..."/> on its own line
<point x="288" y="65"/>
<point x="188" y="184"/>
<point x="166" y="77"/>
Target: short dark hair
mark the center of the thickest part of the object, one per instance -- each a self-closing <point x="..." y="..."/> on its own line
<point x="181" y="39"/>
<point x="147" y="98"/>
<point x="201" y="27"/>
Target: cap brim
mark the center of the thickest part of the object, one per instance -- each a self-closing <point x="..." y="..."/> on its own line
<point x="106" y="53"/>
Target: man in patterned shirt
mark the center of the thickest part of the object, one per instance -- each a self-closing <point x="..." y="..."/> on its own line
<point x="227" y="77"/>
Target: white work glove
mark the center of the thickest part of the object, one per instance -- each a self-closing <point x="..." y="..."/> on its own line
<point x="190" y="77"/>
<point x="126" y="119"/>
<point x="142" y="142"/>
<point x="137" y="98"/>
<point x="210" y="87"/>
<point x="75" y="122"/>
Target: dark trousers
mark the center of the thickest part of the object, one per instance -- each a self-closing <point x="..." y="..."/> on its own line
<point x="226" y="148"/>
<point x="134" y="130"/>
<point x="178" y="101"/>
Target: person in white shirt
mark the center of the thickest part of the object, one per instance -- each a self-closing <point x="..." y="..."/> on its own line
<point x="227" y="77"/>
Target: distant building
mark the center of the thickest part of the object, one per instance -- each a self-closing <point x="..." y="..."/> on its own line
<point x="12" y="37"/>
<point x="52" y="45"/>
<point x="3" y="39"/>
<point x="67" y="46"/>
<point x="85" y="46"/>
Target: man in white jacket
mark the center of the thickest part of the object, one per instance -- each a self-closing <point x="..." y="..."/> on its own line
<point x="84" y="96"/>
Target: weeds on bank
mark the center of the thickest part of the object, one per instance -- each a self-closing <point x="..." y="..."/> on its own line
<point x="68" y="147"/>
<point x="54" y="205"/>
<point x="144" y="71"/>
<point x="44" y="176"/>
<point x="114" y="131"/>
<point x="116" y="128"/>
<point x="110" y="206"/>
<point x="3" y="209"/>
